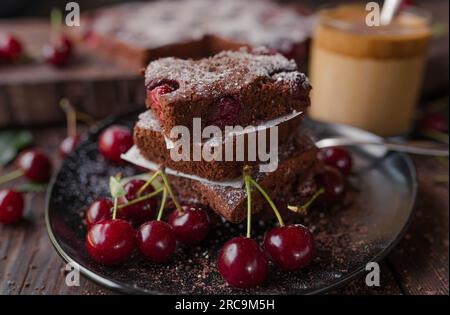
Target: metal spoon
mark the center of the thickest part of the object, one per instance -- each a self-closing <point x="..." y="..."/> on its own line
<point x="388" y="11"/>
<point x="413" y="147"/>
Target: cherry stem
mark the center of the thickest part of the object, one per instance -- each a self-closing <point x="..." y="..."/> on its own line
<point x="10" y="176"/>
<point x="437" y="135"/>
<point x="56" y="23"/>
<point x="140" y="199"/>
<point x="83" y="117"/>
<point x="148" y="182"/>
<point x="248" y="189"/>
<point x="170" y="191"/>
<point x="269" y="200"/>
<point x="163" y="204"/>
<point x="305" y="207"/>
<point x="71" y="117"/>
<point x="116" y="202"/>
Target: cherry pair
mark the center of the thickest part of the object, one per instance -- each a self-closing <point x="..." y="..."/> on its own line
<point x="10" y="48"/>
<point x="242" y="262"/>
<point x="36" y="167"/>
<point x="57" y="54"/>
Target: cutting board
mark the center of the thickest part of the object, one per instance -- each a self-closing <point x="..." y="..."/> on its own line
<point x="30" y="91"/>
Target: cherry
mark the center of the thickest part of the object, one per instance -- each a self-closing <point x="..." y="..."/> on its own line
<point x="35" y="165"/>
<point x="163" y="88"/>
<point x="405" y="4"/>
<point x="191" y="225"/>
<point x="290" y="247"/>
<point x="68" y="145"/>
<point x="100" y="210"/>
<point x="58" y="53"/>
<point x="334" y="184"/>
<point x="242" y="263"/>
<point x="10" y="48"/>
<point x="11" y="206"/>
<point x="225" y="113"/>
<point x="141" y="211"/>
<point x="336" y="157"/>
<point x="156" y="241"/>
<point x="435" y="122"/>
<point x="110" y="242"/>
<point x="114" y="141"/>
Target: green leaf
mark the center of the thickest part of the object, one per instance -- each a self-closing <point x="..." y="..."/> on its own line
<point x="11" y="143"/>
<point x="116" y="188"/>
<point x="32" y="187"/>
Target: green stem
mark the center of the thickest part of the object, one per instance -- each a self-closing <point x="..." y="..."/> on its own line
<point x="56" y="23"/>
<point x="269" y="200"/>
<point x="10" y="176"/>
<point x="247" y="180"/>
<point x="313" y="198"/>
<point x="71" y="117"/>
<point x="163" y="204"/>
<point x="437" y="136"/>
<point x="148" y="182"/>
<point x="116" y="202"/>
<point x="140" y="199"/>
<point x="169" y="190"/>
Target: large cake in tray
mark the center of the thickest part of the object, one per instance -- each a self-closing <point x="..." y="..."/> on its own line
<point x="135" y="33"/>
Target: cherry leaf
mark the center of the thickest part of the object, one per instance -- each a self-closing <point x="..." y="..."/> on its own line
<point x="116" y="188"/>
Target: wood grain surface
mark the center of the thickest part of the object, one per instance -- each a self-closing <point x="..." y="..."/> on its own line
<point x="30" y="90"/>
<point x="418" y="265"/>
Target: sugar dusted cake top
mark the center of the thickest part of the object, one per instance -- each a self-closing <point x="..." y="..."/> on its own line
<point x="226" y="73"/>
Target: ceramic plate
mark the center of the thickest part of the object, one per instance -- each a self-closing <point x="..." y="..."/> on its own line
<point x="365" y="229"/>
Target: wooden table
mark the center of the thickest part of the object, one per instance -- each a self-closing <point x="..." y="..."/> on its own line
<point x="418" y="265"/>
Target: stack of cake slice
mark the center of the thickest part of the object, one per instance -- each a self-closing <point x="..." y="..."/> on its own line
<point x="260" y="93"/>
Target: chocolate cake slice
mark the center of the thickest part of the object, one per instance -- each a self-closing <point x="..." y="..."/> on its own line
<point x="231" y="88"/>
<point x="154" y="146"/>
<point x="292" y="182"/>
<point x="135" y="33"/>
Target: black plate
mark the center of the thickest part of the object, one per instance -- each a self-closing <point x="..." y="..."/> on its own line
<point x="364" y="230"/>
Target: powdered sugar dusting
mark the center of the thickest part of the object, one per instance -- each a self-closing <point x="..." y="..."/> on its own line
<point x="224" y="73"/>
<point x="160" y="23"/>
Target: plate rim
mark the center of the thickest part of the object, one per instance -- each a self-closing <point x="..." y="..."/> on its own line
<point x="125" y="288"/>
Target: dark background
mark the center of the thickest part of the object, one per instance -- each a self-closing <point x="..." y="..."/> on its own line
<point x="17" y="8"/>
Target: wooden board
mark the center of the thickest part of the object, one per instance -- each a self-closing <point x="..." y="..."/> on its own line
<point x="30" y="91"/>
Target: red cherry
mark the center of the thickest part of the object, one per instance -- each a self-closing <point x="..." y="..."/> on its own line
<point x="155" y="93"/>
<point x="98" y="211"/>
<point x="68" y="145"/>
<point x="114" y="141"/>
<point x="156" y="241"/>
<point x="334" y="184"/>
<point x="10" y="48"/>
<point x="142" y="211"/>
<point x="58" y="53"/>
<point x="290" y="247"/>
<point x="225" y="113"/>
<point x="35" y="165"/>
<point x="190" y="225"/>
<point x="66" y="43"/>
<point x="405" y="4"/>
<point x="11" y="206"/>
<point x="110" y="242"/>
<point x="435" y="122"/>
<point x="242" y="263"/>
<point x="336" y="157"/>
